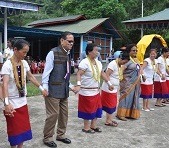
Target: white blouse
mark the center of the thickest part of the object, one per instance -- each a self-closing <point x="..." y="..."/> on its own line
<point x="114" y="77"/>
<point x="13" y="93"/>
<point x="87" y="79"/>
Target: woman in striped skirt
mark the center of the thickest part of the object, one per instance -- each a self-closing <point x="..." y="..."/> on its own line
<point x="14" y="72"/>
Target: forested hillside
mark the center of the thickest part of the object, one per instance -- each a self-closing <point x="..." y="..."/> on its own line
<point x="116" y="10"/>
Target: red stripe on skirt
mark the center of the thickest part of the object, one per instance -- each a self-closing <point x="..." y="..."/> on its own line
<point x="164" y="88"/>
<point x="19" y="123"/>
<point x="89" y="104"/>
<point x="157" y="87"/>
<point x="146" y="89"/>
<point x="167" y="85"/>
<point x="109" y="99"/>
<point x="160" y="88"/>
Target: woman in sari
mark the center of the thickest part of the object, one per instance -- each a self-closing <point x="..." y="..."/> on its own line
<point x="130" y="87"/>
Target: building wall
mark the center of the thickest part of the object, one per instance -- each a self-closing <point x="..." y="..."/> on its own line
<point x="40" y="47"/>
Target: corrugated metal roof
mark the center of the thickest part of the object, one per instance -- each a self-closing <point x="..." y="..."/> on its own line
<point x="30" y="32"/>
<point x="18" y="4"/>
<point x="20" y="1"/>
<point x="80" y="27"/>
<point x="15" y="7"/>
<point x="159" y="16"/>
<point x="58" y="19"/>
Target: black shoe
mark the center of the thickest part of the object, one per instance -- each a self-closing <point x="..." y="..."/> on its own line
<point x="51" y="144"/>
<point x="65" y="140"/>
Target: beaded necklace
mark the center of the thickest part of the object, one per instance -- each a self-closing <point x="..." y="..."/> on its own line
<point x="19" y="85"/>
<point x="165" y="62"/>
<point x="96" y="74"/>
<point x="119" y="70"/>
<point x="153" y="65"/>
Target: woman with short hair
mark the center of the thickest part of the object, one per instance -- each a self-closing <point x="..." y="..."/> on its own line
<point x="88" y="82"/>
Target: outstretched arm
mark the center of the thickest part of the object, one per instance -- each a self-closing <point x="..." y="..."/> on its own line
<point x="36" y="83"/>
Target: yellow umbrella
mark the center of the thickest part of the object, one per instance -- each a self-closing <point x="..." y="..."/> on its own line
<point x="144" y="43"/>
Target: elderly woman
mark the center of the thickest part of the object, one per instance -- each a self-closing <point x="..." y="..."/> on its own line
<point x="109" y="98"/>
<point x="88" y="82"/>
<point x="14" y="72"/>
<point x="130" y="87"/>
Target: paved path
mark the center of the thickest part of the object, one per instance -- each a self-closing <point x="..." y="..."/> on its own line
<point x="150" y="131"/>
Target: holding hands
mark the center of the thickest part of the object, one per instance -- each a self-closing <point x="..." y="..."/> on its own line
<point x="163" y="77"/>
<point x="75" y="89"/>
<point x="44" y="91"/>
<point x="9" y="110"/>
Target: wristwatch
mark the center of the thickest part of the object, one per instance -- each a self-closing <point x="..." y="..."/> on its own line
<point x="6" y="101"/>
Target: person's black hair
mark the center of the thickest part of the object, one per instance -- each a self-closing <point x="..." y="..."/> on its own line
<point x="12" y="40"/>
<point x="20" y="43"/>
<point x="128" y="48"/>
<point x="65" y="34"/>
<point x="90" y="47"/>
<point x="164" y="50"/>
<point x="124" y="55"/>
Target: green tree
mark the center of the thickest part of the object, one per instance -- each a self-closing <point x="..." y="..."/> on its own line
<point x="51" y="8"/>
<point x="134" y="10"/>
<point x="98" y="9"/>
<point x="116" y="10"/>
<point x="95" y="9"/>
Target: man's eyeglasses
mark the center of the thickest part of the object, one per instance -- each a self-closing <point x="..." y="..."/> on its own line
<point x="134" y="50"/>
<point x="70" y="41"/>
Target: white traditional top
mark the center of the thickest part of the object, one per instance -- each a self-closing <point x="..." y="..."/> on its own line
<point x="87" y="79"/>
<point x="114" y="77"/>
<point x="161" y="61"/>
<point x="149" y="71"/>
<point x="13" y="93"/>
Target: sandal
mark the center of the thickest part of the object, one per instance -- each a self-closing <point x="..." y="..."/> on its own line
<point x="91" y="131"/>
<point x="113" y="123"/>
<point x="121" y="118"/>
<point x="161" y="105"/>
<point x="165" y="102"/>
<point x="97" y="129"/>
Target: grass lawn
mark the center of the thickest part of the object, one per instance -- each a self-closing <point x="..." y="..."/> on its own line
<point x="32" y="90"/>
